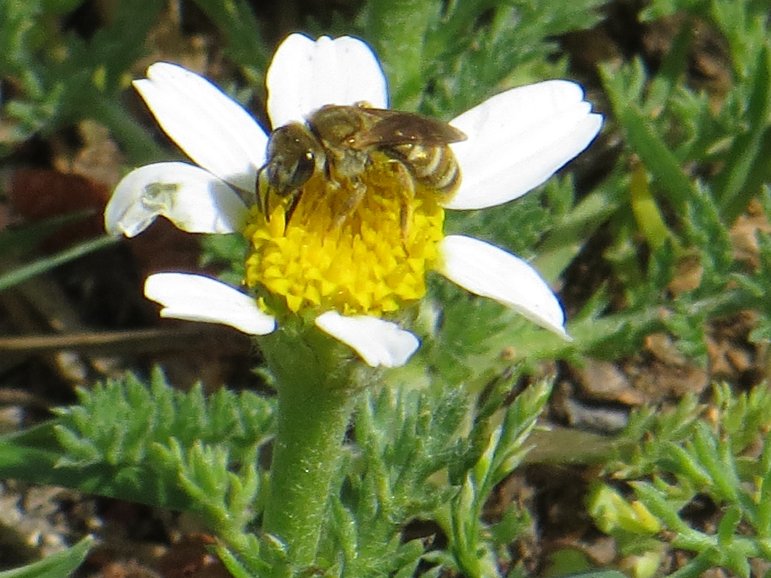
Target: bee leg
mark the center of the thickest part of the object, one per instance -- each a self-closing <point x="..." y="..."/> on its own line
<point x="407" y="194"/>
<point x="358" y="190"/>
<point x="405" y="216"/>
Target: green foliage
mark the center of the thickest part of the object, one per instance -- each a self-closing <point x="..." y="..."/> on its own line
<point x="408" y="445"/>
<point x="681" y="458"/>
<point x="55" y="566"/>
<point x="226" y="254"/>
<point x="147" y="443"/>
<point x="157" y="445"/>
<point x="698" y="166"/>
<point x="698" y="161"/>
<point x="466" y="51"/>
<point x="183" y="450"/>
<point x="62" y="78"/>
<point x="499" y="451"/>
<point x="119" y="422"/>
<point x="402" y="439"/>
<point x="204" y="448"/>
<point x="757" y="288"/>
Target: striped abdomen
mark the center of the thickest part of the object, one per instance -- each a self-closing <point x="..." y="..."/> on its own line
<point x="432" y="166"/>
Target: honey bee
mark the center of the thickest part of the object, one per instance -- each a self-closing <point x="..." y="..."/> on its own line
<point x="340" y="142"/>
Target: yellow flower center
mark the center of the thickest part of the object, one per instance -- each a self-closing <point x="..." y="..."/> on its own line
<point x="353" y="252"/>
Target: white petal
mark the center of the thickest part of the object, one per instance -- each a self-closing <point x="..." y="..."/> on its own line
<point x="305" y="75"/>
<point x="518" y="139"/>
<point x="486" y="270"/>
<point x="194" y="200"/>
<point x="379" y="342"/>
<point x="198" y="298"/>
<point x="208" y="125"/>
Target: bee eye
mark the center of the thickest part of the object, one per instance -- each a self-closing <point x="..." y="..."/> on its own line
<point x="302" y="170"/>
<point x="286" y="175"/>
<point x="291" y="159"/>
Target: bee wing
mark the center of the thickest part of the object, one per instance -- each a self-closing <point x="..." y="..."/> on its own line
<point x="393" y="127"/>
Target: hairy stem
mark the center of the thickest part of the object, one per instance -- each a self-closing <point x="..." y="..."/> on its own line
<point x="315" y="400"/>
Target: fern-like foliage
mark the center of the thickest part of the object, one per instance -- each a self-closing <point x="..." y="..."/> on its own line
<point x="414" y="454"/>
<point x="168" y="447"/>
<point x="434" y="456"/>
<point x="402" y="437"/>
<point x="683" y="457"/>
<point x="118" y="422"/>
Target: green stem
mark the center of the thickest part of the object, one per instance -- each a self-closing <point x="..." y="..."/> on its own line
<point x="315" y="400"/>
<point x="311" y="425"/>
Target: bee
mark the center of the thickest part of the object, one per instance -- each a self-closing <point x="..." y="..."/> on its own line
<point x="340" y="143"/>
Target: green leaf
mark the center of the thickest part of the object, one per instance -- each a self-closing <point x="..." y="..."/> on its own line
<point x="728" y="525"/>
<point x="131" y="441"/>
<point x="644" y="140"/>
<point x="745" y="152"/>
<point x="706" y="229"/>
<point x="646" y="211"/>
<point x="58" y="565"/>
<point x="719" y="465"/>
<point x="44" y="264"/>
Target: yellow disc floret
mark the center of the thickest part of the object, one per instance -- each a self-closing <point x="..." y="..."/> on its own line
<point x="347" y="248"/>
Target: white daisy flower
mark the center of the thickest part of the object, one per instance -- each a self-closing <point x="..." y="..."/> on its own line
<point x="350" y="276"/>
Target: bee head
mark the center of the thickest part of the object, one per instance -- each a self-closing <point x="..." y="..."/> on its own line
<point x="292" y="156"/>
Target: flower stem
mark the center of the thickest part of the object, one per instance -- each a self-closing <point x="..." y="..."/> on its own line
<point x="314" y="407"/>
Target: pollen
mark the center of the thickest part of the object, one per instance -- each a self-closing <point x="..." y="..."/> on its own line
<point x="357" y="248"/>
